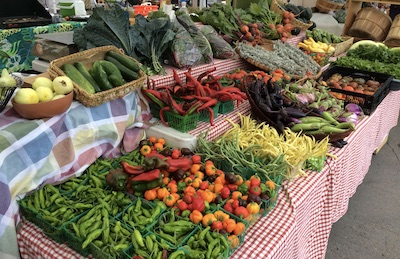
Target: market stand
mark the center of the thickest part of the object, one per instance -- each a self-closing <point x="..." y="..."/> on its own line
<point x="300" y="223"/>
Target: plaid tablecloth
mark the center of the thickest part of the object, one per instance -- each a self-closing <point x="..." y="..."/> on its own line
<point x="35" y="152"/>
<point x="300" y="223"/>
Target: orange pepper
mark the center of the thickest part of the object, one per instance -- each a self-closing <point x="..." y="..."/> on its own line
<point x="207" y="195"/>
<point x="162" y="192"/>
<point x="158" y="146"/>
<point x="234" y="240"/>
<point x="173" y="187"/>
<point x="218" y="187"/>
<point x="220" y="179"/>
<point x="189" y="190"/>
<point x="270" y="184"/>
<point x="199" y="174"/>
<point x="239" y="229"/>
<point x="176" y="195"/>
<point x="211" y="187"/>
<point x="145" y="150"/>
<point x="220" y="215"/>
<point x="236" y="195"/>
<point x="165" y="180"/>
<point x="150" y="194"/>
<point x="253" y="208"/>
<point x="169" y="200"/>
<point x="153" y="139"/>
<point x="196" y="182"/>
<point x="210" y="169"/>
<point x="208" y="219"/>
<point x="229" y="225"/>
<point x="248" y="183"/>
<point x="239" y="180"/>
<point x="196" y="217"/>
<point x="161" y="141"/>
<point x="188" y="181"/>
<point x="195" y="168"/>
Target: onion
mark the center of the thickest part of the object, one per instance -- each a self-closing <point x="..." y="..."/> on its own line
<point x="354" y="108"/>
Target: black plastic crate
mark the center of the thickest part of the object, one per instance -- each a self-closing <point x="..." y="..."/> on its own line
<point x="395" y="85"/>
<point x="367" y="102"/>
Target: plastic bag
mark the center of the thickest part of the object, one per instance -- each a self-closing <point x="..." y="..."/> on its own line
<point x="221" y="48"/>
<point x="197" y="36"/>
<point x="185" y="52"/>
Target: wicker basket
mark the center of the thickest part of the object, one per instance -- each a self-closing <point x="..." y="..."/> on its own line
<point x="393" y="37"/>
<point x="342" y="46"/>
<point x="325" y="6"/>
<point x="370" y="23"/>
<point x="276" y="6"/>
<point x="87" y="57"/>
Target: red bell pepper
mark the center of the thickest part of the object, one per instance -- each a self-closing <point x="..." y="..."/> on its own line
<point x="130" y="169"/>
<point x="147" y="176"/>
<point x="198" y="204"/>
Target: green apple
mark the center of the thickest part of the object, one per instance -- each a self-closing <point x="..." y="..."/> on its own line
<point x="42" y="81"/>
<point x="45" y="94"/>
<point x="62" y="85"/>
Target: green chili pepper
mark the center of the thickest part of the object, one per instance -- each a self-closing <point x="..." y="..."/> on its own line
<point x="92" y="236"/>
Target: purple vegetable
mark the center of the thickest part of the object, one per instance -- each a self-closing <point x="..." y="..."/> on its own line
<point x="354" y="108"/>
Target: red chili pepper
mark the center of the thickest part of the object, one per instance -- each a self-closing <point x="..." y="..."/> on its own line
<point x="204" y="98"/>
<point x="208" y="104"/>
<point x="176" y="78"/>
<point x="211" y="115"/>
<point x="200" y="77"/>
<point x="194" y="107"/>
<point x="199" y="90"/>
<point x="175" y="105"/>
<point x="147" y="176"/>
<point x="211" y="92"/>
<point x="167" y="108"/>
<point x="156" y="93"/>
<point x="131" y="169"/>
<point x="226" y="95"/>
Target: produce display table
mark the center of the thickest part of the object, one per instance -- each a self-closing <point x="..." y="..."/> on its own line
<point x="300" y="223"/>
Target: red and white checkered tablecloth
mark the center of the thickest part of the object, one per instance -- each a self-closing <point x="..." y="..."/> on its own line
<point x="300" y="223"/>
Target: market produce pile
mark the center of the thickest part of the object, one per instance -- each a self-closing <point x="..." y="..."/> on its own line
<point x="177" y="202"/>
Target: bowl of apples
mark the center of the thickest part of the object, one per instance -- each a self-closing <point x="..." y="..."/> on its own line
<point x="45" y="98"/>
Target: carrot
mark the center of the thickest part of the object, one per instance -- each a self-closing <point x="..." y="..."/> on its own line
<point x="286" y="21"/>
<point x="286" y="14"/>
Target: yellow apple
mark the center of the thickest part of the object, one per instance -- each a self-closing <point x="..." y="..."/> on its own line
<point x="63" y="85"/>
<point x="42" y="81"/>
<point x="45" y="94"/>
<point x="26" y="96"/>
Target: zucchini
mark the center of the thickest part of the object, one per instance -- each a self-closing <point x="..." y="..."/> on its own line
<point x="101" y="76"/>
<point x="76" y="76"/>
<point x="127" y="74"/>
<point x="307" y="13"/>
<point x="112" y="70"/>
<point x="83" y="70"/>
<point x="124" y="60"/>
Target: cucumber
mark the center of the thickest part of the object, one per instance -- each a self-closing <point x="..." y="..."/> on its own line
<point x="83" y="70"/>
<point x="112" y="70"/>
<point x="116" y="80"/>
<point x="101" y="76"/>
<point x="76" y="76"/>
<point x="127" y="74"/>
<point x="124" y="60"/>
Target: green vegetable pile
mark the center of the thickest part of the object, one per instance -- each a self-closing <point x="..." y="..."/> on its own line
<point x="372" y="58"/>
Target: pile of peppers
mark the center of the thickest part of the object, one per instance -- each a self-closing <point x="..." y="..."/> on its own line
<point x="149" y="175"/>
<point x="197" y="94"/>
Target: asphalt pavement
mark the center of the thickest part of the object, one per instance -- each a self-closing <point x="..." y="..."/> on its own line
<point x="370" y="229"/>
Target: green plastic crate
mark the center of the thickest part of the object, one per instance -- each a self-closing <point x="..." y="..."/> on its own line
<point x="182" y="123"/>
<point x="74" y="241"/>
<point x="205" y="114"/>
<point x="155" y="110"/>
<point x="226" y="107"/>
